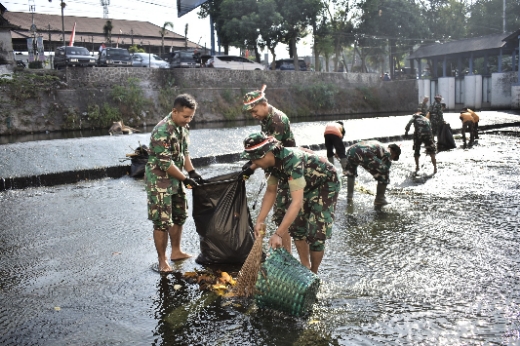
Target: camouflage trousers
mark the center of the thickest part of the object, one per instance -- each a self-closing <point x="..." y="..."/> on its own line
<point x="283" y="200"/>
<point x="315" y="220"/>
<point x="428" y="142"/>
<point x="166" y="209"/>
<point x="380" y="172"/>
<point x="436" y="122"/>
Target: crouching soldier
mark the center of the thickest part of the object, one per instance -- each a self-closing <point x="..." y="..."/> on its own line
<point x="422" y="134"/>
<point x="468" y="124"/>
<point x="373" y="157"/>
<point x="334" y="133"/>
<point x="314" y="187"/>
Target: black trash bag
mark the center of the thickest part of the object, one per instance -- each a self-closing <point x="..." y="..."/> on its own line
<point x="445" y="139"/>
<point x="139" y="160"/>
<point x="222" y="220"/>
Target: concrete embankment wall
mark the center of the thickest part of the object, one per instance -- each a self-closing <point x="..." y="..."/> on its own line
<point x="66" y="105"/>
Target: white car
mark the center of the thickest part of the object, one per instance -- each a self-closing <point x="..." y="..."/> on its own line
<point x="231" y="62"/>
<point x="148" y="60"/>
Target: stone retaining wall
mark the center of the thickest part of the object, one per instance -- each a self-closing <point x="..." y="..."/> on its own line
<point x="218" y="92"/>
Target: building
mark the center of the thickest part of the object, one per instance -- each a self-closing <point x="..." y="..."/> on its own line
<point x="90" y="33"/>
<point x="480" y="72"/>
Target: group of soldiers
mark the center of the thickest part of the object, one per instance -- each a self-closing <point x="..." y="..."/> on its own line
<point x="302" y="187"/>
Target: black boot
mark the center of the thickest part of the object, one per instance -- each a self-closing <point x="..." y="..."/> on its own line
<point x="344" y="165"/>
<point x="380" y="196"/>
<point x="350" y="188"/>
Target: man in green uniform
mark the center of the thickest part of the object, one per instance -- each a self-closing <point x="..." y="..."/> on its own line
<point x="424" y="105"/>
<point x="314" y="187"/>
<point x="436" y="115"/>
<point x="168" y="155"/>
<point x="372" y="156"/>
<point x="273" y="122"/>
<point x="422" y="134"/>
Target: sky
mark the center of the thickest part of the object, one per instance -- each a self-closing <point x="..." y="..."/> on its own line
<point x="154" y="11"/>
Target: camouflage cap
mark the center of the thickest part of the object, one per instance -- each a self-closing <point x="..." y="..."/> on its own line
<point x="396" y="149"/>
<point x="252" y="98"/>
<point x="438" y="96"/>
<point x="256" y="145"/>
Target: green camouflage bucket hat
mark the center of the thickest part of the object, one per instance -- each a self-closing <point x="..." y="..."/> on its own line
<point x="256" y="145"/>
<point x="252" y="98"/>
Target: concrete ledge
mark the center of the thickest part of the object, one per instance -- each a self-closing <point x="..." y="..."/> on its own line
<point x="75" y="176"/>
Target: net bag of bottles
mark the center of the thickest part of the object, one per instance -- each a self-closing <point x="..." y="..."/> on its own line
<point x="284" y="284"/>
<point x="222" y="220"/>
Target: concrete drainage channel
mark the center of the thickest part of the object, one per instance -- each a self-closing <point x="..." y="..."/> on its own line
<point x="117" y="171"/>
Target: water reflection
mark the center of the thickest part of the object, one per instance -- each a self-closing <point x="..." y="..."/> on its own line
<point x="438" y="266"/>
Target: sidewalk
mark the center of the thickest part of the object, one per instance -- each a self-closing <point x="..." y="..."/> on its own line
<point x="64" y="161"/>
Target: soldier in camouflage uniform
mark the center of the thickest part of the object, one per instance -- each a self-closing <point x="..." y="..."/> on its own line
<point x="273" y="122"/>
<point x="165" y="181"/>
<point x="422" y="134"/>
<point x="314" y="187"/>
<point x="424" y="105"/>
<point x="436" y="115"/>
<point x="372" y="156"/>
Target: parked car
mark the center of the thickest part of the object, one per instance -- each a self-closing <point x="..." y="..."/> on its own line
<point x="114" y="57"/>
<point x="148" y="60"/>
<point x="231" y="62"/>
<point x="185" y="59"/>
<point x="288" y="65"/>
<point x="73" y="56"/>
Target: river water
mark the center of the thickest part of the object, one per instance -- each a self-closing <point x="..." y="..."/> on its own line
<point x="440" y="265"/>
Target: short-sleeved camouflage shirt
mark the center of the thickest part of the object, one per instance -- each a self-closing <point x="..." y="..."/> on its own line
<point x="277" y="124"/>
<point x="168" y="145"/>
<point x="300" y="169"/>
<point x="421" y="124"/>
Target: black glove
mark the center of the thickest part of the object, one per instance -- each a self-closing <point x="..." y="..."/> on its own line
<point x="190" y="183"/>
<point x="247" y="171"/>
<point x="195" y="176"/>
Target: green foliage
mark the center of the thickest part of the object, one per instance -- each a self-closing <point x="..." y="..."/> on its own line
<point x="23" y="86"/>
<point x="167" y="92"/>
<point x="130" y="98"/>
<point x="227" y="95"/>
<point x="72" y="120"/>
<point x="35" y="64"/>
<point x="102" y="117"/>
<point x="322" y="96"/>
<point x="135" y="49"/>
<point x="368" y="96"/>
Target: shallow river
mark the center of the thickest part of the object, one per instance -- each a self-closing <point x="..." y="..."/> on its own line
<point x="440" y="265"/>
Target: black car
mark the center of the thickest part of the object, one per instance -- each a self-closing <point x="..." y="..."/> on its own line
<point x="185" y="59"/>
<point x="73" y="56"/>
<point x="288" y="65"/>
<point x="114" y="57"/>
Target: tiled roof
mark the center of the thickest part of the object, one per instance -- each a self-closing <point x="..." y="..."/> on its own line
<point x="88" y="29"/>
<point x="469" y="45"/>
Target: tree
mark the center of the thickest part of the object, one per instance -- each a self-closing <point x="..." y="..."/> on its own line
<point x="269" y="27"/>
<point x="486" y="17"/>
<point x="212" y="9"/>
<point x="134" y="49"/>
<point x="107" y="31"/>
<point x="163" y="32"/>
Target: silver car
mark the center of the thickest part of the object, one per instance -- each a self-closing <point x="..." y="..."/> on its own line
<point x="231" y="62"/>
<point x="148" y="60"/>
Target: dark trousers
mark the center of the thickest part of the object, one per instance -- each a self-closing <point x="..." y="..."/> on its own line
<point x="334" y="142"/>
<point x="468" y="126"/>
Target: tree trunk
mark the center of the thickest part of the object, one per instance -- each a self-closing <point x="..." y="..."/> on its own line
<point x="295" y="57"/>
<point x="273" y="63"/>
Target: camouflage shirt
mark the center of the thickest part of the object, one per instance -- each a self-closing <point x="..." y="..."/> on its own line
<point x="422" y="125"/>
<point x="424" y="108"/>
<point x="168" y="145"/>
<point x="371" y="155"/>
<point x="300" y="169"/>
<point x="436" y="114"/>
<point x="277" y="124"/>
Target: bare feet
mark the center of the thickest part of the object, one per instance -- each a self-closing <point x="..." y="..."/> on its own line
<point x="165" y="267"/>
<point x="177" y="256"/>
<point x="434" y="170"/>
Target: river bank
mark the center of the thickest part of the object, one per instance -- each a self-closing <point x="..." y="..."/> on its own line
<point x="93" y="98"/>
